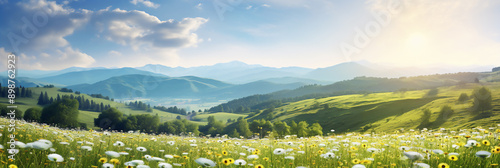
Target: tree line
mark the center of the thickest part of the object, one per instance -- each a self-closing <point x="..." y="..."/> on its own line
<point x="19" y="91"/>
<point x="63" y="113"/>
<point x="139" y="105"/>
<point x="174" y="109"/>
<point x="83" y="104"/>
<point x="113" y="119"/>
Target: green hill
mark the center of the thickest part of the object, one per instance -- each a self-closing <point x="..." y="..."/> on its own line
<point x="353" y="86"/>
<point x="389" y="111"/>
<point x="84" y="116"/>
<point x="91" y="76"/>
<point x="137" y="85"/>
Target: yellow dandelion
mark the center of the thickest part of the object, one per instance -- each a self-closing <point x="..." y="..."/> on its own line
<point x="114" y="161"/>
<point x="443" y="165"/>
<point x="486" y="142"/>
<point x="226" y="162"/>
<point x="103" y="160"/>
<point x="453" y="157"/>
<point x="259" y="166"/>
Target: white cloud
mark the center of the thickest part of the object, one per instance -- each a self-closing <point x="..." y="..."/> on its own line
<point x="146" y="3"/>
<point x="64" y="57"/>
<point x="199" y="6"/>
<point x="60" y="22"/>
<point x="249" y="7"/>
<point x="138" y="29"/>
<point x="48" y="49"/>
<point x="40" y="42"/>
<point x="266" y="5"/>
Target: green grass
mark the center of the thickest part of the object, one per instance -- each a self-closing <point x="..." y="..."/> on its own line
<point x="307" y="152"/>
<point x="388" y="111"/>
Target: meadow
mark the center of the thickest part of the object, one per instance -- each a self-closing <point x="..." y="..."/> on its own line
<point x="46" y="146"/>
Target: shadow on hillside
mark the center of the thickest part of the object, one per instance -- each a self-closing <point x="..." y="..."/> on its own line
<point x="482" y="115"/>
<point x="354" y="118"/>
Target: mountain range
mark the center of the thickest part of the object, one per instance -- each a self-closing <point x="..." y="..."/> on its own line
<point x="221" y="81"/>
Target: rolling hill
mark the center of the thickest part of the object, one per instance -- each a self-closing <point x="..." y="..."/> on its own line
<point x="91" y="76"/>
<point x="356" y="85"/>
<point x="132" y="86"/>
<point x="388" y="111"/>
<point x="84" y="116"/>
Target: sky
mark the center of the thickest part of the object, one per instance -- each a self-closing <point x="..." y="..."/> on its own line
<point x="53" y="35"/>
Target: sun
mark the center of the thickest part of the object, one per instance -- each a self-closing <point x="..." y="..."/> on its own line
<point x="416" y="40"/>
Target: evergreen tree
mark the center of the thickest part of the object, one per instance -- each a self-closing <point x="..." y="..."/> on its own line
<point x="40" y="99"/>
<point x="46" y="99"/>
<point x="293" y="127"/>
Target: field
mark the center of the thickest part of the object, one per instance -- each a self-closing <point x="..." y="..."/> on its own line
<point x="86" y="116"/>
<point x="390" y="110"/>
<point x="44" y="146"/>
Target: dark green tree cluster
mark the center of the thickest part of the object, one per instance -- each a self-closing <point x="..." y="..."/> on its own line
<point x="44" y="99"/>
<point x="115" y="120"/>
<point x="174" y="109"/>
<point x="425" y="118"/>
<point x="100" y="96"/>
<point x="48" y="86"/>
<point x="261" y="127"/>
<point x="83" y="104"/>
<point x="178" y="127"/>
<point x="63" y="113"/>
<point x="139" y="105"/>
<point x="33" y="114"/>
<point x="213" y="126"/>
<point x="65" y="90"/>
<point x="495" y="69"/>
<point x="4" y="111"/>
<point x="432" y="92"/>
<point x="19" y="91"/>
<point x="482" y="99"/>
<point x="463" y="97"/>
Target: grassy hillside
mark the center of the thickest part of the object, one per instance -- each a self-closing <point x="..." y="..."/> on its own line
<point x="353" y="86"/>
<point x="389" y="111"/>
<point x="85" y="116"/>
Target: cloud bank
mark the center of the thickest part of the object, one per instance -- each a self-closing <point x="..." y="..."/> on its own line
<point x="38" y="32"/>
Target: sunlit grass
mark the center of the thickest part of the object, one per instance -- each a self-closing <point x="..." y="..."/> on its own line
<point x="334" y="150"/>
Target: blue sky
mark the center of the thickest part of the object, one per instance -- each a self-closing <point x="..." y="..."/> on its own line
<point x="278" y="33"/>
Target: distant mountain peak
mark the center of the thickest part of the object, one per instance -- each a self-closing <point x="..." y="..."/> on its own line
<point x="237" y="63"/>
